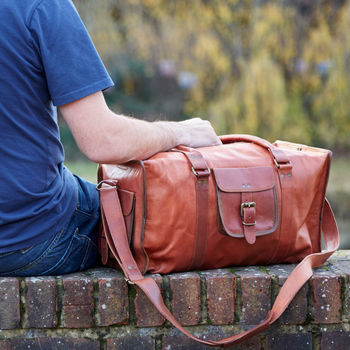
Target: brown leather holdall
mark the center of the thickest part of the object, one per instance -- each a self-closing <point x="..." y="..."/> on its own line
<point x="246" y="202"/>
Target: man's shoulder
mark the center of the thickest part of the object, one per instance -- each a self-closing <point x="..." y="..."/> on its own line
<point x="22" y="10"/>
<point x="25" y="9"/>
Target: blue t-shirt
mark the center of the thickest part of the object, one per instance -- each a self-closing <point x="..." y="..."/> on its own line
<point x="47" y="59"/>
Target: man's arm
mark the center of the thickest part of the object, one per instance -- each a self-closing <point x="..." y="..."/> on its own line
<point x="105" y="137"/>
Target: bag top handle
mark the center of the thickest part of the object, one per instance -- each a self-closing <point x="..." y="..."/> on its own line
<point x="280" y="158"/>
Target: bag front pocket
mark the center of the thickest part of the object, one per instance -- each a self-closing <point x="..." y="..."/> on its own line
<point x="247" y="201"/>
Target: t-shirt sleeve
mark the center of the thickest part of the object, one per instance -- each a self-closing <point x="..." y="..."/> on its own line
<point x="71" y="64"/>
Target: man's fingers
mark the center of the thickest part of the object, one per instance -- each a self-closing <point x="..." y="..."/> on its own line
<point x="197" y="132"/>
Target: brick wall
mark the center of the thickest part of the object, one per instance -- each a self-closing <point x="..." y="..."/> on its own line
<point x="99" y="310"/>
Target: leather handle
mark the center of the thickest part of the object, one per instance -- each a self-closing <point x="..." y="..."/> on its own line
<point x="245" y="138"/>
<point x="202" y="172"/>
<point x="117" y="239"/>
<point x="278" y="155"/>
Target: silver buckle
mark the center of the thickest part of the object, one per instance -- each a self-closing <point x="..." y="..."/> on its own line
<point x="247" y="205"/>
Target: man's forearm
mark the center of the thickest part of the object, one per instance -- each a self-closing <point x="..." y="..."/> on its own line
<point x="106" y="137"/>
<point x="130" y="139"/>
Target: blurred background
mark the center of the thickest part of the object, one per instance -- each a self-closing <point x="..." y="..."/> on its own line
<point x="275" y="69"/>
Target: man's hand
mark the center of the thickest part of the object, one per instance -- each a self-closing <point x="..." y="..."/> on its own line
<point x="195" y="133"/>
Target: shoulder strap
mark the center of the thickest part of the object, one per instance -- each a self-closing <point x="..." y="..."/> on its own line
<point x="117" y="240"/>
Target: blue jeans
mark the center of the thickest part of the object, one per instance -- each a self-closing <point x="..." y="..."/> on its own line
<point x="72" y="249"/>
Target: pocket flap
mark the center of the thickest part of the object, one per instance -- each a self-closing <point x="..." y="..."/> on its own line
<point x="244" y="179"/>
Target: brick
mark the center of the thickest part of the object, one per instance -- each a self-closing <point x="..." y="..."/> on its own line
<point x="78" y="290"/>
<point x="327" y="297"/>
<point x="221" y="289"/>
<point x="5" y="345"/>
<point x="147" y="315"/>
<point x="340" y="255"/>
<point x="175" y="340"/>
<point x="144" y="342"/>
<point x="343" y="267"/>
<point x="40" y="302"/>
<point x="52" y="344"/>
<point x="112" y="302"/>
<point x="250" y="344"/>
<point x="296" y="312"/>
<point x="186" y="300"/>
<point x="335" y="340"/>
<point x="256" y="295"/>
<point x="295" y="341"/>
<point x="78" y="303"/>
<point x="9" y="303"/>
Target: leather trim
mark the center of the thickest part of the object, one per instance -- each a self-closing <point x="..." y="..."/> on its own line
<point x="145" y="267"/>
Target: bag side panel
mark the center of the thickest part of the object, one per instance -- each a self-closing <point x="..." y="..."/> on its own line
<point x="310" y="174"/>
<point x="130" y="177"/>
<point x="170" y="212"/>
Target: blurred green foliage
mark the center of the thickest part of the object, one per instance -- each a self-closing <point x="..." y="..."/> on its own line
<point x="276" y="69"/>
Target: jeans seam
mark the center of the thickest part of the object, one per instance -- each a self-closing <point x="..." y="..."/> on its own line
<point x="42" y="256"/>
<point x="63" y="257"/>
<point x="92" y="214"/>
<point x="76" y="234"/>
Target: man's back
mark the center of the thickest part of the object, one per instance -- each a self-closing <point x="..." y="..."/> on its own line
<point x="40" y="66"/>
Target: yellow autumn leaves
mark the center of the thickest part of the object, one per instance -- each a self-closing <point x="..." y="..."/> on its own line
<point x="275" y="69"/>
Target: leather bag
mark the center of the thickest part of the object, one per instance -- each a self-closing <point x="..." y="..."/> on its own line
<point x="245" y="202"/>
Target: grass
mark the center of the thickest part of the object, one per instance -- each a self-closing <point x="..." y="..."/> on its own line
<point x="84" y="168"/>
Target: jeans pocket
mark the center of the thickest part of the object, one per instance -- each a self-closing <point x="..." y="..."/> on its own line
<point x="88" y="199"/>
<point x="80" y="254"/>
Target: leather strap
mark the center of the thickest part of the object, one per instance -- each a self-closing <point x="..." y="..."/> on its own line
<point x="248" y="218"/>
<point x="202" y="172"/>
<point x="117" y="240"/>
